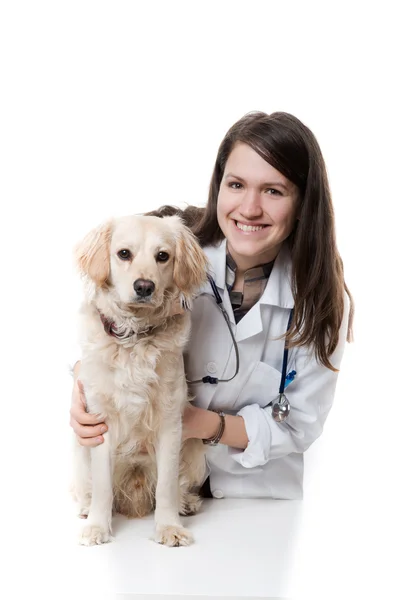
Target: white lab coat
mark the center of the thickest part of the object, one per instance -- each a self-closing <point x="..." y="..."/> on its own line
<point x="272" y="464"/>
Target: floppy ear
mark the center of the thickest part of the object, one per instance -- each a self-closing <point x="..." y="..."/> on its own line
<point x="190" y="266"/>
<point x="93" y="254"/>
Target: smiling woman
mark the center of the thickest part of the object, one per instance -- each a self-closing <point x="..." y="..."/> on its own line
<point x="256" y="208"/>
<point x="269" y="236"/>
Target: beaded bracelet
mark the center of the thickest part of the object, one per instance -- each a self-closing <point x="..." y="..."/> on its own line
<point x="214" y="440"/>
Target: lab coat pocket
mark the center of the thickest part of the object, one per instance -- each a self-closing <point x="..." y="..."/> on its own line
<point x="261" y="387"/>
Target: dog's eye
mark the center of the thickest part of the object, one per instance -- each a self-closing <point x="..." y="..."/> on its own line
<point x="125" y="254"/>
<point x="162" y="257"/>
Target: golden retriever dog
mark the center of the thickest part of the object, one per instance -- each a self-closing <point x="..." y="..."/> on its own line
<point x="136" y="269"/>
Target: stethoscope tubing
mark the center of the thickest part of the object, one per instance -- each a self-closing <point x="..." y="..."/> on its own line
<point x="281" y="407"/>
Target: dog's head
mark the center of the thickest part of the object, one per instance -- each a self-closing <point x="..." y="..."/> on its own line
<point x="143" y="261"/>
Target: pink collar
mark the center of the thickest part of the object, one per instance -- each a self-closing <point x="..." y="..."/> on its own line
<point x="109" y="328"/>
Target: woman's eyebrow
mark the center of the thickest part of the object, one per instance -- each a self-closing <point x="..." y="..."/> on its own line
<point x="267" y="184"/>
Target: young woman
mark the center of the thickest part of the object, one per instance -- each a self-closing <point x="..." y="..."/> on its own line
<point x="268" y="231"/>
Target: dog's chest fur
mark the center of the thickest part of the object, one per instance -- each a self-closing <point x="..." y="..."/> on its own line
<point x="131" y="386"/>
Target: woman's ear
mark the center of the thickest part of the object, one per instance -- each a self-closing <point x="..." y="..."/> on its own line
<point x="92" y="254"/>
<point x="190" y="266"/>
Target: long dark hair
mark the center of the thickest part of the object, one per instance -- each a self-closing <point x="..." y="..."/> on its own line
<point x="318" y="277"/>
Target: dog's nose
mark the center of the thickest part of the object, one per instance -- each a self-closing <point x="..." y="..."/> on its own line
<point x="144" y="287"/>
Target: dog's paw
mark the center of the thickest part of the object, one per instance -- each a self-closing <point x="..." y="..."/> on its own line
<point x="173" y="535"/>
<point x="91" y="535"/>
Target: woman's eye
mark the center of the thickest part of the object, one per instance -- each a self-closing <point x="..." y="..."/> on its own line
<point x="124" y="254"/>
<point x="235" y="185"/>
<point x="274" y="192"/>
<point x="162" y="257"/>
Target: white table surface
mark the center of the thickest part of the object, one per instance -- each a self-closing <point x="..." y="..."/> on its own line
<point x="242" y="548"/>
<point x="332" y="544"/>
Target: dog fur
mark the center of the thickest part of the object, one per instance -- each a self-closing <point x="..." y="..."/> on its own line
<point x="137" y="381"/>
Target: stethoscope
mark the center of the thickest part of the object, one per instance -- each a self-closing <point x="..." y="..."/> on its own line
<point x="281" y="406"/>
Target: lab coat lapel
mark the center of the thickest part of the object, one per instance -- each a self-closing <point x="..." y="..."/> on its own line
<point x="250" y="324"/>
<point x="278" y="291"/>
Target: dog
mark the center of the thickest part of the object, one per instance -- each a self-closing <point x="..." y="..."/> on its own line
<point x="136" y="269"/>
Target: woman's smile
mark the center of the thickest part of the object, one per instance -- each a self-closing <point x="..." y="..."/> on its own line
<point x="249" y="228"/>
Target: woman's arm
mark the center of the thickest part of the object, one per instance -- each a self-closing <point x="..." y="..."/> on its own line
<point x="253" y="436"/>
<point x="203" y="424"/>
<point x="311" y="397"/>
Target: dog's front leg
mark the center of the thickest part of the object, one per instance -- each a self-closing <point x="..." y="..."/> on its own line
<point x="81" y="486"/>
<point x="169" y="530"/>
<point x="97" y="528"/>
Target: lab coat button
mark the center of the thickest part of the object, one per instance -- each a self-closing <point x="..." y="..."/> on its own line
<point x="211" y="367"/>
<point x="218" y="494"/>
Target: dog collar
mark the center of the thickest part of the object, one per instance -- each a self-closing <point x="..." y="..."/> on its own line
<point x="109" y="328"/>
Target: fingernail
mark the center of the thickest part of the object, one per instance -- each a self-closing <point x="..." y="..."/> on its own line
<point x="103" y="429"/>
<point x="99" y="439"/>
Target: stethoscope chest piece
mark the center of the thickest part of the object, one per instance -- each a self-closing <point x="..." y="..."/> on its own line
<point x="281" y="409"/>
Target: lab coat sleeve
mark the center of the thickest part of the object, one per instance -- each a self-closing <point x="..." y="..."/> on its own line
<point x="311" y="396"/>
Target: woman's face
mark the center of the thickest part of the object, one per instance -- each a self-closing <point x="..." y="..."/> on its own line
<point x="256" y="207"/>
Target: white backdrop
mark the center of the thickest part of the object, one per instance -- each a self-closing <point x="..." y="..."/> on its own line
<point x="111" y="108"/>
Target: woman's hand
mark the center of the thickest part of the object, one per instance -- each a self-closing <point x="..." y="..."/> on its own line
<point x="87" y="427"/>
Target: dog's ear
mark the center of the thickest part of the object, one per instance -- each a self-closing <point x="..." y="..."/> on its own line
<point x="92" y="254"/>
<point x="190" y="266"/>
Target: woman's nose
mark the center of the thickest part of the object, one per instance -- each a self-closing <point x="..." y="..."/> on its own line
<point x="250" y="206"/>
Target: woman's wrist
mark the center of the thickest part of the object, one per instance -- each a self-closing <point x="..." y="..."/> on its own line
<point x="216" y="438"/>
<point x="204" y="424"/>
<point x="234" y="433"/>
<point x="199" y="423"/>
<point x="211" y="424"/>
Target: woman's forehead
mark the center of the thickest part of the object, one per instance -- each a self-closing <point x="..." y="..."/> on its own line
<point x="245" y="163"/>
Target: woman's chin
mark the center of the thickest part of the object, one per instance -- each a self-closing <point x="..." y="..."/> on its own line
<point x="248" y="250"/>
<point x="248" y="247"/>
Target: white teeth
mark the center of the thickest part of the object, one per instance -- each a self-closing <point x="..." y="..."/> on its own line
<point x="249" y="227"/>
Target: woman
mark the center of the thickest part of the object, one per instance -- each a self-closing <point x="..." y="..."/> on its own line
<point x="268" y="231"/>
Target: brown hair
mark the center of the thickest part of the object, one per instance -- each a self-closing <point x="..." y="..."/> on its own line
<point x="318" y="278"/>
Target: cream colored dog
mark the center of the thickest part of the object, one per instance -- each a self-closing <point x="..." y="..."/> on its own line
<point x="136" y="270"/>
